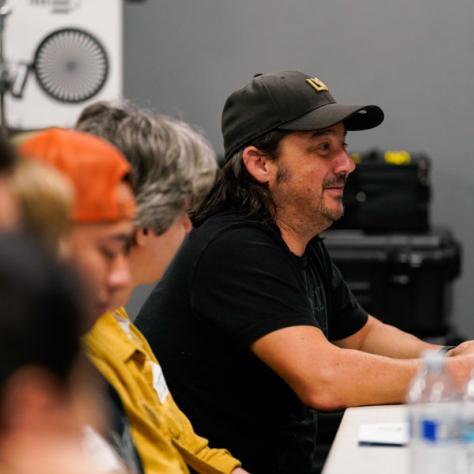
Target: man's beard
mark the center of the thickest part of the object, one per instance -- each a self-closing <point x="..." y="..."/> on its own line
<point x="332" y="215"/>
<point x="313" y="214"/>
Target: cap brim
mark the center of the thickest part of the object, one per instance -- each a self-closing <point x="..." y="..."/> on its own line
<point x="355" y="117"/>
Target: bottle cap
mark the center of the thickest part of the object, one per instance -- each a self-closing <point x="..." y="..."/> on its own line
<point x="433" y="360"/>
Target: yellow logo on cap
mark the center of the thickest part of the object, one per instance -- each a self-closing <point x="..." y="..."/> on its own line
<point x="317" y="84"/>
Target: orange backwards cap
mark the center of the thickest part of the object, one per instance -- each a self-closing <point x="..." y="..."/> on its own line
<point x="95" y="168"/>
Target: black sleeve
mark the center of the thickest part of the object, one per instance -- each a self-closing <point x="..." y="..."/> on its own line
<point x="348" y="316"/>
<point x="244" y="283"/>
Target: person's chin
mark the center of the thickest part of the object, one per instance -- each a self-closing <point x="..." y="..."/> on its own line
<point x="100" y="309"/>
<point x="334" y="213"/>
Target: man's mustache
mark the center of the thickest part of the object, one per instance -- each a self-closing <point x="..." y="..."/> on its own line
<point x="338" y="181"/>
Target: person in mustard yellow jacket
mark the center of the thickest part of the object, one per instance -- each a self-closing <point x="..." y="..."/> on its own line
<point x="172" y="168"/>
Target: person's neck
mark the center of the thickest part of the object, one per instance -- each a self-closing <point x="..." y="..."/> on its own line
<point x="297" y="231"/>
<point x="135" y="274"/>
<point x="138" y="266"/>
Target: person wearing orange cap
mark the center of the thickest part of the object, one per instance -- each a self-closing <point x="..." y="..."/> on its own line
<point x="102" y="214"/>
<point x="103" y="209"/>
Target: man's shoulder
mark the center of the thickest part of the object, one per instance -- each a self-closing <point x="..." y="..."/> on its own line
<point x="110" y="335"/>
<point x="101" y="326"/>
<point x="231" y="226"/>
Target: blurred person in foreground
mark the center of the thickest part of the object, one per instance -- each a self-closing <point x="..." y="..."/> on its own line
<point x="44" y="400"/>
<point x="103" y="209"/>
<point x="45" y="199"/>
<point x="100" y="230"/>
<point x="172" y="168"/>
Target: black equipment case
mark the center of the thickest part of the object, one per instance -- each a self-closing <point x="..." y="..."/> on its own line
<point x="388" y="192"/>
<point x="403" y="279"/>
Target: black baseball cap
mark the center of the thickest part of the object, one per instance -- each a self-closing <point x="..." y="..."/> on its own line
<point x="288" y="100"/>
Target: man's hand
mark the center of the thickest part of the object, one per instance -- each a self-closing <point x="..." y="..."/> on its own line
<point x="460" y="367"/>
<point x="239" y="470"/>
<point x="464" y="348"/>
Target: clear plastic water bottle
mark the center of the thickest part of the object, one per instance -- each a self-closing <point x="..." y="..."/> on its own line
<point x="468" y="424"/>
<point x="435" y="410"/>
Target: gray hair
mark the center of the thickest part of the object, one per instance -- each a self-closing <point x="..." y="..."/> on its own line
<point x="173" y="166"/>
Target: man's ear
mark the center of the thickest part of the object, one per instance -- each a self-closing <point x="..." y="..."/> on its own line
<point x="258" y="164"/>
<point x="141" y="236"/>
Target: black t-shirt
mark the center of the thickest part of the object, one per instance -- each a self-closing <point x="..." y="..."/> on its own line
<point x="233" y="281"/>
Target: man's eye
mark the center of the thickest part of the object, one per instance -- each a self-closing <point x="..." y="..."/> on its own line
<point x="107" y="253"/>
<point x="128" y="247"/>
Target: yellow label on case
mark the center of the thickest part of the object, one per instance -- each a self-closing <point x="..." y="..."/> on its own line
<point x="397" y="157"/>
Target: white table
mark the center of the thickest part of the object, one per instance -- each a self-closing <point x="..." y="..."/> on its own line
<point x="346" y="456"/>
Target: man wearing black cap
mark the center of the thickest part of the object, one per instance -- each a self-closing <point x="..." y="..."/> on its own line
<point x="254" y="325"/>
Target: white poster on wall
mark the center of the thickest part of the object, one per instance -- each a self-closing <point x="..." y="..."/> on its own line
<point x="73" y="49"/>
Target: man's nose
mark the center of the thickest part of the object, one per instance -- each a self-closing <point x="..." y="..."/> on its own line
<point x="119" y="276"/>
<point x="345" y="164"/>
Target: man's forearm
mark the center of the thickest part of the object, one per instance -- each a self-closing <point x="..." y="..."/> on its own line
<point x="379" y="338"/>
<point x="389" y="341"/>
<point x="327" y="376"/>
<point x="356" y="378"/>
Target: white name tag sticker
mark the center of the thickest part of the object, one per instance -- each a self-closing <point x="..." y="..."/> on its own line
<point x="384" y="434"/>
<point x="159" y="382"/>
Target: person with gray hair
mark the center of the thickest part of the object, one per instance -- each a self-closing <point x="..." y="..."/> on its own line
<point x="172" y="169"/>
<point x="186" y="167"/>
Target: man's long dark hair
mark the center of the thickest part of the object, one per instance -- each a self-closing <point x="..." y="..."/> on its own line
<point x="235" y="189"/>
